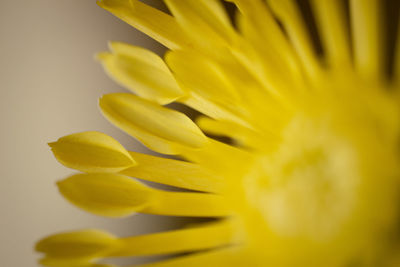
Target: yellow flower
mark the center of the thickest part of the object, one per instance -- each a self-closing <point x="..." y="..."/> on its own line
<point x="312" y="174"/>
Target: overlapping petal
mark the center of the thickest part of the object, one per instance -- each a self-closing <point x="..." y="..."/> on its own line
<point x="156" y="126"/>
<point x="142" y="72"/>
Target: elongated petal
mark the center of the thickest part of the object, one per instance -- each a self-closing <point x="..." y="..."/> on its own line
<point x="261" y="30"/>
<point x="173" y="172"/>
<point x="92" y="152"/>
<point x="243" y="135"/>
<point x="215" y="258"/>
<point x="56" y="262"/>
<point x="210" y="108"/>
<point x="116" y="195"/>
<point x="288" y="13"/>
<point x="397" y="57"/>
<point x="210" y="158"/>
<point x="205" y="24"/>
<point x="154" y="23"/>
<point x="141" y="71"/>
<point x="202" y="18"/>
<point x="80" y="244"/>
<point x="367" y="36"/>
<point x="152" y="124"/>
<point x="259" y="18"/>
<point x="106" y="194"/>
<point x="330" y="16"/>
<point x="202" y="76"/>
<point x="202" y="237"/>
<point x="189" y="204"/>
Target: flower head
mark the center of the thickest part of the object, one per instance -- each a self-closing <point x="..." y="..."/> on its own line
<point x="311" y="176"/>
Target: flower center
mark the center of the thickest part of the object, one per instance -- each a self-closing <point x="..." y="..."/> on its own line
<point x="331" y="184"/>
<point x="310" y="182"/>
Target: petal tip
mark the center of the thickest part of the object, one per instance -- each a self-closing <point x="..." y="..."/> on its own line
<point x="105" y="194"/>
<point x="102" y="56"/>
<point x="52" y="144"/>
<point x="92" y="152"/>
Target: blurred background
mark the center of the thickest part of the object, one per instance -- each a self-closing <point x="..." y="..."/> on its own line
<point x="49" y="86"/>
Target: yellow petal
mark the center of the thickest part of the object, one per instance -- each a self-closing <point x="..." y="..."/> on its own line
<point x="256" y="17"/>
<point x="397" y="58"/>
<point x="80" y="244"/>
<point x="157" y="127"/>
<point x="91" y="152"/>
<point x="288" y="13"/>
<point x="116" y="195"/>
<point x="245" y="136"/>
<point x="56" y="262"/>
<point x="202" y="20"/>
<point x="203" y="76"/>
<point x="189" y="204"/>
<point x="173" y="172"/>
<point x="141" y="71"/>
<point x="212" y="109"/>
<point x="331" y="20"/>
<point x="215" y="258"/>
<point x="367" y="35"/>
<point x="273" y="51"/>
<point x="154" y="23"/>
<point x="210" y="157"/>
<point x="106" y="194"/>
<point x="205" y="236"/>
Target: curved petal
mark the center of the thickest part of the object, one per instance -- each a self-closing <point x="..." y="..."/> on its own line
<point x="106" y="194"/>
<point x="154" y="23"/>
<point x="141" y="71"/>
<point x="91" y="152"/>
<point x="155" y="126"/>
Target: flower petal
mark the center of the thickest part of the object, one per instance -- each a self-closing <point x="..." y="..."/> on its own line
<point x="80" y="244"/>
<point x="367" y="36"/>
<point x="106" y="194"/>
<point x="244" y="135"/>
<point x="210" y="108"/>
<point x="189" y="204"/>
<point x="157" y="127"/>
<point x="330" y="16"/>
<point x="203" y="20"/>
<point x="230" y="256"/>
<point x="55" y="262"/>
<point x="261" y="31"/>
<point x="203" y="76"/>
<point x="154" y="23"/>
<point x="141" y="71"/>
<point x="210" y="157"/>
<point x="91" y="152"/>
<point x="204" y="236"/>
<point x="289" y="14"/>
<point x="173" y="172"/>
<point x="116" y="195"/>
<point x="397" y="57"/>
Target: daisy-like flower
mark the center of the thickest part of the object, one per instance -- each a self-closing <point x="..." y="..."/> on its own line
<point x="311" y="175"/>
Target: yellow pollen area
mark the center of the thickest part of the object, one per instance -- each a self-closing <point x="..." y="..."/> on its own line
<point x="330" y="184"/>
